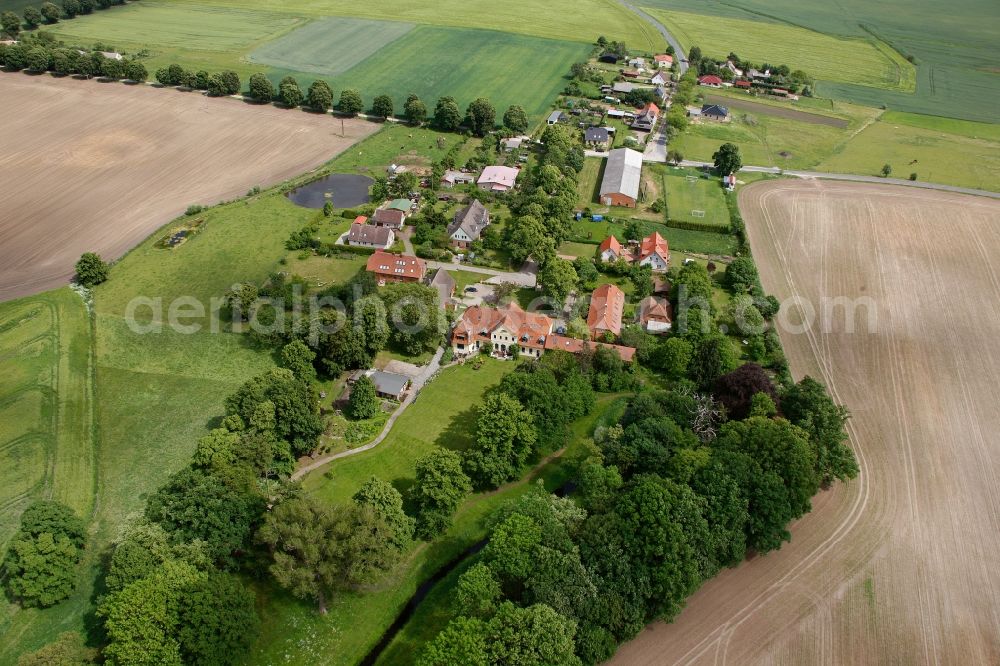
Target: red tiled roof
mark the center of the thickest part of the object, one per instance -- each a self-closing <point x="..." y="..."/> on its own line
<point x="655" y="309"/>
<point x="611" y="243"/>
<point x="742" y="84"/>
<point x="655" y="244"/>
<point x="663" y="58"/>
<point x="651" y="108"/>
<point x="606" y="306"/>
<point x="710" y="80"/>
<point x="478" y="323"/>
<point x="574" y="346"/>
<point x="360" y="219"/>
<point x="396" y="265"/>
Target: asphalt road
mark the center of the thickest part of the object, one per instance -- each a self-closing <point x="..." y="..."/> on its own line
<point x="679" y="53"/>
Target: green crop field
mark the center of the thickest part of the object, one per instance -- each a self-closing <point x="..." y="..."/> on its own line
<point x="686" y="195"/>
<point x="464" y="63"/>
<point x="855" y="60"/>
<point x="573" y="20"/>
<point x="329" y="46"/>
<point x="955" y="46"/>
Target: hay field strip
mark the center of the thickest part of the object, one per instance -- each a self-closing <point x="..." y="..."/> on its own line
<point x="46" y="406"/>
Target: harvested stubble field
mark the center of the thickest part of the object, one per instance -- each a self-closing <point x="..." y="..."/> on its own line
<point x="99" y="166"/>
<point x="901" y="565"/>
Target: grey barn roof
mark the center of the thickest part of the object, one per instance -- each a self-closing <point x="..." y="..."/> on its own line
<point x="596" y="134"/>
<point x="622" y="173"/>
<point x="369" y="233"/>
<point x="445" y="285"/>
<point x="714" y="110"/>
<point x="472" y="220"/>
<point x="389" y="383"/>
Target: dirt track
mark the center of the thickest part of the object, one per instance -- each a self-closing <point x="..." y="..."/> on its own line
<point x="777" y="111"/>
<point x="99" y="166"/>
<point x="901" y="565"/>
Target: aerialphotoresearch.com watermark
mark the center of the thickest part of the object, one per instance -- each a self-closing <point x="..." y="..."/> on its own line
<point x="318" y="315"/>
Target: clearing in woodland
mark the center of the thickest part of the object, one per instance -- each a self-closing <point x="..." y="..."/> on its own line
<point x="117" y="162"/>
<point x="900" y="565"/>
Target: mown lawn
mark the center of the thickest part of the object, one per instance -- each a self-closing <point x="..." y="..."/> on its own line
<point x="396" y="144"/>
<point x="701" y="242"/>
<point x="443" y="415"/>
<point x="589" y="182"/>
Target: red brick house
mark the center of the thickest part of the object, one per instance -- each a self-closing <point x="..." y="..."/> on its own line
<point x="389" y="267"/>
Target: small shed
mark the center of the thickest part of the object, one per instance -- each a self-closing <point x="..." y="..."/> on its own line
<point x="390" y="385"/>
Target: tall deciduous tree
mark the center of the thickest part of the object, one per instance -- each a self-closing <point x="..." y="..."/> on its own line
<point x="261" y="88"/>
<point x="320" y="97"/>
<point x="320" y="550"/>
<point x="289" y="92"/>
<point x="39" y="568"/>
<point x="11" y="24"/>
<point x="481" y="117"/>
<point x="515" y="119"/>
<point x="447" y="116"/>
<point x="558" y="279"/>
<point x="440" y="486"/>
<point x="505" y="436"/>
<point x="387" y="504"/>
<point x="297" y="418"/>
<point x="382" y="106"/>
<point x="727" y="159"/>
<point x="415" y="110"/>
<point x="364" y="402"/>
<point x="809" y="406"/>
<point x="32" y="17"/>
<point x="350" y="102"/>
<point x="51" y="12"/>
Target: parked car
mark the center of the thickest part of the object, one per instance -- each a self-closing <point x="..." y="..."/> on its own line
<point x="471" y="289"/>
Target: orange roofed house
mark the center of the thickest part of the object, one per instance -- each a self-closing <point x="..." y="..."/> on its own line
<point x="502" y="327"/>
<point x="606" y="307"/>
<point x="389" y="267"/>
<point x="652" y="251"/>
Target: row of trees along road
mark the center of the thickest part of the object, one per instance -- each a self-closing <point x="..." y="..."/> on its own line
<point x="50" y="13"/>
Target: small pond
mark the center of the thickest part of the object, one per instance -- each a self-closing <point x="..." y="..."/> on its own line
<point x="343" y="189"/>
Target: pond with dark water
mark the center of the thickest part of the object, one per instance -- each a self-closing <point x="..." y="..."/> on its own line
<point x="344" y="190"/>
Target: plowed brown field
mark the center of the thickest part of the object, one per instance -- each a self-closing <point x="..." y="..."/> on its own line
<point x="902" y="565"/>
<point x="88" y="166"/>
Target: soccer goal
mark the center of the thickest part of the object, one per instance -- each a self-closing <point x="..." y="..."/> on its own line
<point x="697" y="213"/>
<point x="692" y="180"/>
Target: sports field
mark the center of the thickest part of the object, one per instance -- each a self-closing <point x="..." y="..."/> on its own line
<point x="955" y="45"/>
<point x="691" y="198"/>
<point x="858" y="60"/>
<point x="899" y="566"/>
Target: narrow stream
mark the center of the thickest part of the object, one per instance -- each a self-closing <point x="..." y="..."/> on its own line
<point x="428" y="585"/>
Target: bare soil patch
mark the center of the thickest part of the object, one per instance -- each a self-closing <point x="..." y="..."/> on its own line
<point x="86" y="166"/>
<point x="777" y="111"/>
<point x="901" y="565"/>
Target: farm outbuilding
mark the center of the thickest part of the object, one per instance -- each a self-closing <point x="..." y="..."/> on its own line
<point x="622" y="174"/>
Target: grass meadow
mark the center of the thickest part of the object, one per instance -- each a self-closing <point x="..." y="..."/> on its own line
<point x="911" y="144"/>
<point x="954" y="46"/>
<point x="858" y="60"/>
